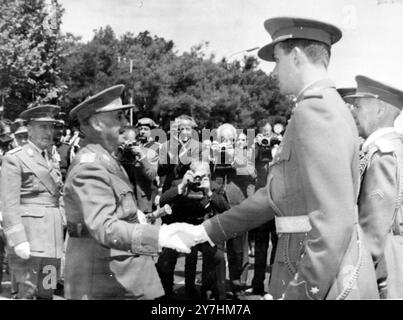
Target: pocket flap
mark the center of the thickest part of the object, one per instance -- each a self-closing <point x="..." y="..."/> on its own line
<point x="37" y="213"/>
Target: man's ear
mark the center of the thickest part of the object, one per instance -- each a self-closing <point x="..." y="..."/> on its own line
<point x="298" y="56"/>
<point x="382" y="107"/>
<point x="95" y="123"/>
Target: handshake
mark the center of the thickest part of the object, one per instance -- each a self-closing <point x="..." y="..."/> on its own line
<point x="182" y="236"/>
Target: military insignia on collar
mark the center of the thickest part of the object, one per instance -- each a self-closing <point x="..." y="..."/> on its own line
<point x="87" y="157"/>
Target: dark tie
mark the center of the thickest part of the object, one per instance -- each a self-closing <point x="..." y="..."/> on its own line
<point x="43" y="153"/>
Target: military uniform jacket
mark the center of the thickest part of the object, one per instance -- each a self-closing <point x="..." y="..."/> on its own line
<point x="378" y="200"/>
<point x="109" y="253"/>
<point x="30" y="193"/>
<point x="142" y="174"/>
<point x="315" y="175"/>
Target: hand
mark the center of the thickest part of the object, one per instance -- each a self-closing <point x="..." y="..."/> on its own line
<point x="258" y="138"/>
<point x="177" y="236"/>
<point x="23" y="250"/>
<point x="188" y="177"/>
<point x="138" y="151"/>
<point x="205" y="186"/>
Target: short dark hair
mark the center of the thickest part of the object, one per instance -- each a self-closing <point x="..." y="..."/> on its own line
<point x="317" y="52"/>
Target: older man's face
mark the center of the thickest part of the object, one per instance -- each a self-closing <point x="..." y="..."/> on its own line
<point x="364" y="112"/>
<point x="112" y="124"/>
<point x="41" y="133"/>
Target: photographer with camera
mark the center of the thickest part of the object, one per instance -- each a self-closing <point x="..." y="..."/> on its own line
<point x="266" y="140"/>
<point x="138" y="157"/>
<point x="235" y="175"/>
<point x="195" y="195"/>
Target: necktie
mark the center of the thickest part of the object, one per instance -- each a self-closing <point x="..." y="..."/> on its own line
<point x="43" y="153"/>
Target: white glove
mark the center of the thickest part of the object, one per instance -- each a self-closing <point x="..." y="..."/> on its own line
<point x="23" y="250"/>
<point x="177" y="236"/>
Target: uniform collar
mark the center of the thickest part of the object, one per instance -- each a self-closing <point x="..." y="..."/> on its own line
<point x="375" y="136"/>
<point x="318" y="84"/>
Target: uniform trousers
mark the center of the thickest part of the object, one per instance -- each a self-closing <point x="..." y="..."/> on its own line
<point x="263" y="235"/>
<point x="36" y="277"/>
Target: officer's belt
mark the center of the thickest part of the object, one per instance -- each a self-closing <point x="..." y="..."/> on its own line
<point x="77" y="230"/>
<point x="43" y="201"/>
<point x="295" y="224"/>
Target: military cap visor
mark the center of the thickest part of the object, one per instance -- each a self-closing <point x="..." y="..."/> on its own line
<point x="21" y="130"/>
<point x="42" y="113"/>
<point x="105" y="101"/>
<point x="369" y="88"/>
<point x="285" y="28"/>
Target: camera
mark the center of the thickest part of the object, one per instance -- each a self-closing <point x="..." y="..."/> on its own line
<point x="222" y="159"/>
<point x="195" y="185"/>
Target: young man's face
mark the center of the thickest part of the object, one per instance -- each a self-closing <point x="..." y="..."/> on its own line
<point x="285" y="71"/>
<point x="41" y="133"/>
<point x="21" y="139"/>
<point x="365" y="112"/>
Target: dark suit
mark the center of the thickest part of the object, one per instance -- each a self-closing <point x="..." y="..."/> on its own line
<point x="314" y="177"/>
<point x="109" y="255"/>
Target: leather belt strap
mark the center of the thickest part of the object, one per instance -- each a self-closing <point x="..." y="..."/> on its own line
<point x="296" y="224"/>
<point x="41" y="201"/>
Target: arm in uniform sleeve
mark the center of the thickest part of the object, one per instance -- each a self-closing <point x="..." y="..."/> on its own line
<point x="377" y="202"/>
<point x="324" y="147"/>
<point x="10" y="182"/>
<point x="251" y="213"/>
<point x="93" y="196"/>
<point x="149" y="164"/>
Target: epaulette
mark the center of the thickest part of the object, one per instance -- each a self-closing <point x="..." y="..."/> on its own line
<point x="312" y="94"/>
<point x="87" y="157"/>
<point x="15" y="150"/>
<point x="384" y="145"/>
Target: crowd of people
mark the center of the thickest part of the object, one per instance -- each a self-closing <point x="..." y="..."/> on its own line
<point x="108" y="210"/>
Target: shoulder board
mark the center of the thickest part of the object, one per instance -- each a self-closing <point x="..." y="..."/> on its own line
<point x="15" y="150"/>
<point x="384" y="146"/>
<point x="88" y="157"/>
<point x="312" y="94"/>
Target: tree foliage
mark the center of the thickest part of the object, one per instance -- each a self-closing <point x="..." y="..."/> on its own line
<point x="30" y="51"/>
<point x="164" y="84"/>
<point x="39" y="64"/>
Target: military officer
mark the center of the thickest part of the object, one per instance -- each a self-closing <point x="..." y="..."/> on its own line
<point x="30" y="192"/>
<point x="110" y="254"/>
<point x="375" y="108"/>
<point x="312" y="187"/>
<point x="20" y="133"/>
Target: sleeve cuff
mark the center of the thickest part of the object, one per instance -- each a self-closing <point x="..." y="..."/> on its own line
<point x="145" y="239"/>
<point x="15" y="235"/>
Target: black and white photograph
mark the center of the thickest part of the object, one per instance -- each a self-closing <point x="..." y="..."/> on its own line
<point x="206" y="152"/>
